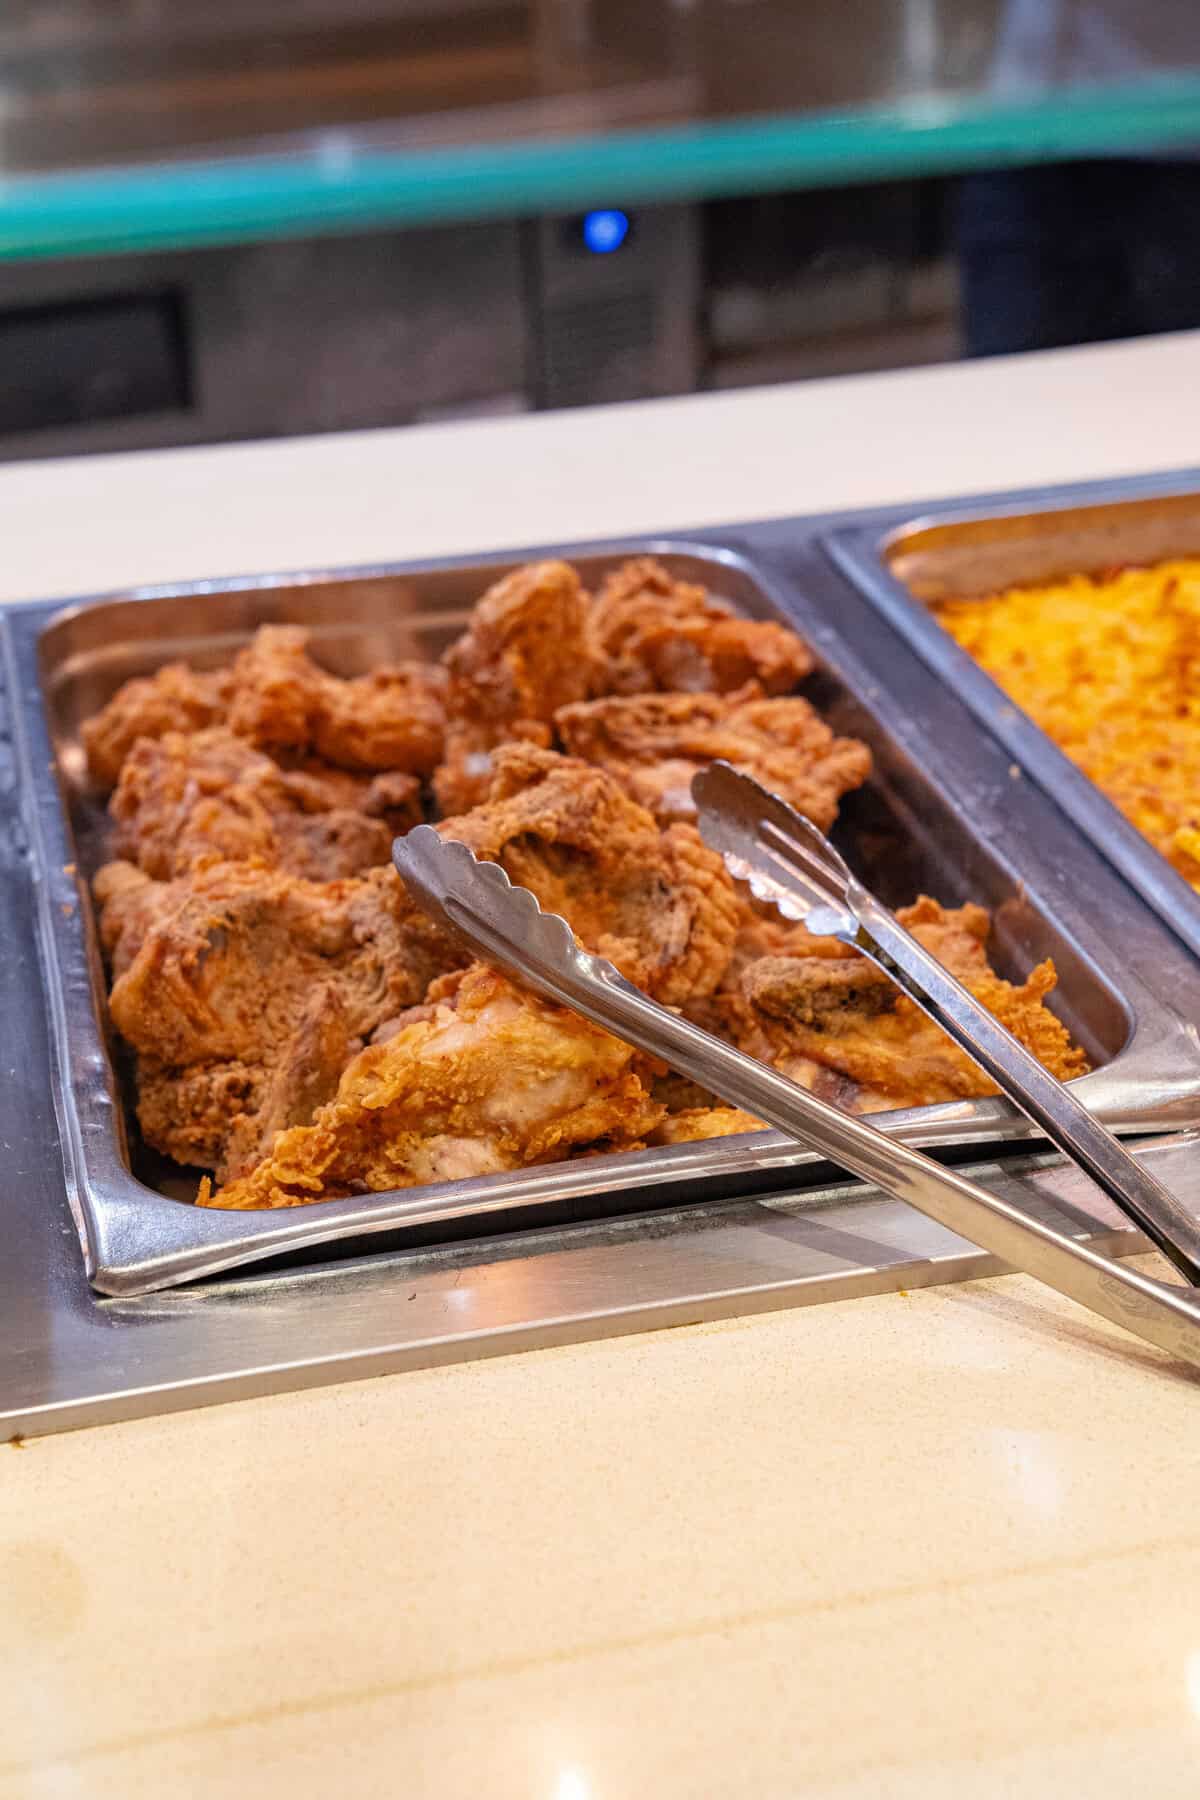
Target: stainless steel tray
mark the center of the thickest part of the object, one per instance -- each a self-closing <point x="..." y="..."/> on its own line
<point x="910" y="567"/>
<point x="905" y="832"/>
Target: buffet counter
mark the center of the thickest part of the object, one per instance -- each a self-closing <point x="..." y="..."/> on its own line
<point x="934" y="1543"/>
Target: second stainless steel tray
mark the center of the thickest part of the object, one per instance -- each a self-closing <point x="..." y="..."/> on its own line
<point x="971" y="552"/>
<point x="904" y="831"/>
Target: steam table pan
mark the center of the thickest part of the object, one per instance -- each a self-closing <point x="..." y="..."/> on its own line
<point x="906" y="565"/>
<point x="940" y="816"/>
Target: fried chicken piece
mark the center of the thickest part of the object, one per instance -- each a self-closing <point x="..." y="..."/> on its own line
<point x="130" y="904"/>
<point x="839" y="1027"/>
<point x="494" y="1080"/>
<point x="208" y="796"/>
<point x="655" y="743"/>
<point x="697" y="1122"/>
<point x="651" y="633"/>
<point x="176" y="698"/>
<point x="224" y="1115"/>
<point x="244" y="990"/>
<point x="657" y="903"/>
<point x="276" y="698"/>
<point x="392" y="718"/>
<point x="195" y="1115"/>
<point x="301" y="1078"/>
<point x="524" y="654"/>
<point x="443" y="987"/>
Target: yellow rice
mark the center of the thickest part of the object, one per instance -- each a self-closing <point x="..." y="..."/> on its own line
<point x="1109" y="666"/>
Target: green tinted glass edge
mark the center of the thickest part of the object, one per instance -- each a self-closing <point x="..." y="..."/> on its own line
<point x="354" y="187"/>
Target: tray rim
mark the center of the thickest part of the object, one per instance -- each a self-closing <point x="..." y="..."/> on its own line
<point x="120" y="1231"/>
<point x="859" y="552"/>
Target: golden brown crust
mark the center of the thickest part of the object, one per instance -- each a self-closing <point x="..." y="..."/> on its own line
<point x="650" y="633"/>
<point x="207" y="796"/>
<point x="264" y="941"/>
<point x="835" y="1019"/>
<point x="277" y="699"/>
<point x="654" y="744"/>
<point x="696" y="1123"/>
<point x="659" y="904"/>
<point x="280" y="700"/>
<point x="495" y="1079"/>
<point x="176" y="698"/>
<point x="220" y="968"/>
<point x="193" y="1114"/>
<point x="524" y="654"/>
<point x="301" y="1076"/>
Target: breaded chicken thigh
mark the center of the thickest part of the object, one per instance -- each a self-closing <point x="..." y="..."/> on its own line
<point x="208" y="796"/>
<point x="654" y="743"/>
<point x="391" y="718"/>
<point x="492" y="1079"/>
<point x="651" y="633"/>
<point x="244" y="991"/>
<point x="524" y="654"/>
<point x="657" y="903"/>
<point x="276" y="698"/>
<point x="174" y="698"/>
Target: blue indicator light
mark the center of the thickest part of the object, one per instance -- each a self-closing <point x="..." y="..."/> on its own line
<point x="605" y="230"/>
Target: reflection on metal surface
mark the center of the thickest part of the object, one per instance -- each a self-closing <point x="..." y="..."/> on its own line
<point x="979" y="553"/>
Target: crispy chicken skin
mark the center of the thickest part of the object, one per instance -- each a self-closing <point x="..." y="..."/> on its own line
<point x="524" y="654"/>
<point x="281" y="701"/>
<point x="655" y="743"/>
<point x="276" y="698"/>
<point x="494" y="1079"/>
<point x="208" y="796"/>
<point x="833" y="1022"/>
<point x="658" y="903"/>
<point x="695" y="1123"/>
<point x="175" y="698"/>
<point x="130" y="905"/>
<point x="650" y="633"/>
<point x="229" y="976"/>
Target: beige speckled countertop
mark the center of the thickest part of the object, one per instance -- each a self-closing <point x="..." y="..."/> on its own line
<point x="941" y="1545"/>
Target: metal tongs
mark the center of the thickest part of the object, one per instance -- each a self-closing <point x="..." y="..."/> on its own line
<point x="786" y="860"/>
<point x="506" y="925"/>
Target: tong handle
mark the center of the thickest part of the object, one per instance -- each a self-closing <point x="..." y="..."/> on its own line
<point x="1038" y="1094"/>
<point x="1165" y="1316"/>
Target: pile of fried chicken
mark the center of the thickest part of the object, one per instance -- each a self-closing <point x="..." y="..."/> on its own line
<point x="302" y="1031"/>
